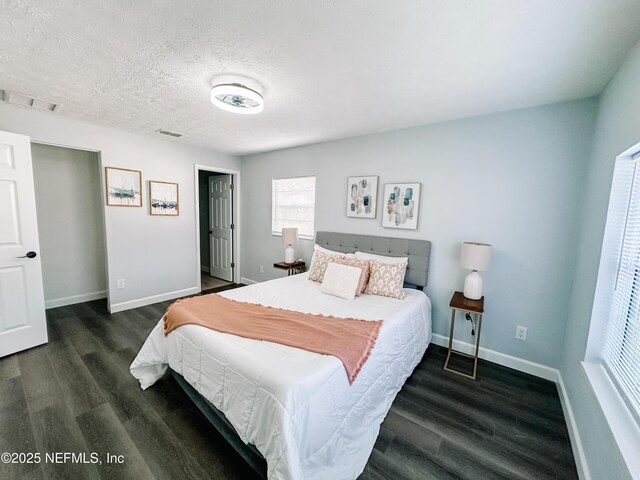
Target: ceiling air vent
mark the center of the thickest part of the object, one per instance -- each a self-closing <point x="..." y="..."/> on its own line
<point x="27" y="101"/>
<point x="167" y="132"/>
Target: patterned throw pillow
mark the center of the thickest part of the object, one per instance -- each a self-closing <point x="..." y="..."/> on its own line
<point x="363" y="265"/>
<point x="319" y="265"/>
<point x="386" y="279"/>
<point x="341" y="280"/>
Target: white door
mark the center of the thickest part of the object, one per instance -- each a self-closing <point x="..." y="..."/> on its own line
<point x="221" y="226"/>
<point x="22" y="320"/>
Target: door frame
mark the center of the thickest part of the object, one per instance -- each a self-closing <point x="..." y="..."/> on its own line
<point x="235" y="234"/>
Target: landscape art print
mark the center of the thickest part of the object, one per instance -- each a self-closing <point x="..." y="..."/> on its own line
<point x="361" y="196"/>
<point x="401" y="203"/>
<point x="124" y="187"/>
<point x="163" y="198"/>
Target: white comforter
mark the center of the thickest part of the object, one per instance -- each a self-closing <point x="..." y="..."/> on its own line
<point x="295" y="406"/>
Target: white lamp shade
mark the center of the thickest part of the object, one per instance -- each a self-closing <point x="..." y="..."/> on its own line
<point x="475" y="256"/>
<point x="289" y="236"/>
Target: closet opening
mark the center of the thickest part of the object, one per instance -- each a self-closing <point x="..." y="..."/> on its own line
<point x="69" y="207"/>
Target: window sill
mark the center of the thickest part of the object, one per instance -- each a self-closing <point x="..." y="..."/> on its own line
<point x="300" y="237"/>
<point x="624" y="427"/>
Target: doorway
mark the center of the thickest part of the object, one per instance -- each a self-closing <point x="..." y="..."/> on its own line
<point x="70" y="224"/>
<point x="217" y="213"/>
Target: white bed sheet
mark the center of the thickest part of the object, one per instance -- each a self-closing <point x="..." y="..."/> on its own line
<point x="295" y="406"/>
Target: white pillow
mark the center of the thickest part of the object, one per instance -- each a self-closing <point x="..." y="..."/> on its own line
<point x="318" y="248"/>
<point x="341" y="281"/>
<point x="380" y="258"/>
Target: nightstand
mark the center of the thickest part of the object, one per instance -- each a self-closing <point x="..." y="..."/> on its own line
<point x="469" y="307"/>
<point x="291" y="268"/>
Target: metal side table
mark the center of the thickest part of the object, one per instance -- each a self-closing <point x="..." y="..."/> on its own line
<point x="469" y="307"/>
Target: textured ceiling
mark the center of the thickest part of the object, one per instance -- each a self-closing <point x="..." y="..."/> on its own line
<point x="330" y="69"/>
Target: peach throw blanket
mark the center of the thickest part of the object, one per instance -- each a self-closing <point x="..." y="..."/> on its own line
<point x="349" y="339"/>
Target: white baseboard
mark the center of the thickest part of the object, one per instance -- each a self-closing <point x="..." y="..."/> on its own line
<point x="247" y="281"/>
<point x="538" y="370"/>
<point x="576" y="444"/>
<point x="84" y="297"/>
<point x="503" y="359"/>
<point x="204" y="269"/>
<point x="141" y="302"/>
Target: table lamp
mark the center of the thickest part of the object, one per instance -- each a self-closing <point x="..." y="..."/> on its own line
<point x="289" y="237"/>
<point x="475" y="257"/>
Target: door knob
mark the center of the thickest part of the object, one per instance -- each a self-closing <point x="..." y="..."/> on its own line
<point x="29" y="255"/>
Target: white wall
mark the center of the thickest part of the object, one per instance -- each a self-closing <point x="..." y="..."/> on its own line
<point x="617" y="129"/>
<point x="512" y="179"/>
<point x="70" y="224"/>
<point x="155" y="255"/>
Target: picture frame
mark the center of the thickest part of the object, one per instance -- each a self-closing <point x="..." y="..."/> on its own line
<point x="164" y="198"/>
<point x="123" y="187"/>
<point x="362" y="195"/>
<point x="401" y="205"/>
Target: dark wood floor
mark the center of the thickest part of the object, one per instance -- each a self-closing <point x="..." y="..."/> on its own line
<point x="75" y="394"/>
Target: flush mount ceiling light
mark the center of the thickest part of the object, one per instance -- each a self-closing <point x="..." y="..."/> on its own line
<point x="237" y="98"/>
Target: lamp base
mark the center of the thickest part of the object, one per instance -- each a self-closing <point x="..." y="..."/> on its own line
<point x="473" y="286"/>
<point x="289" y="255"/>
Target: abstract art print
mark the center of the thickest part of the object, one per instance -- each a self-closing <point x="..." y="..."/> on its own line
<point x="124" y="187"/>
<point x="401" y="202"/>
<point x="361" y="196"/>
<point x="163" y="198"/>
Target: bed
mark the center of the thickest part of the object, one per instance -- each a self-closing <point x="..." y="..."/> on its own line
<point x="294" y="408"/>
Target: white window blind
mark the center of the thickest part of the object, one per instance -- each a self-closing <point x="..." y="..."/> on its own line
<point x="621" y="353"/>
<point x="293" y="205"/>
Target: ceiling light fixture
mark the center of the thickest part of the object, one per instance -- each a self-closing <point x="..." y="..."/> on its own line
<point x="236" y="98"/>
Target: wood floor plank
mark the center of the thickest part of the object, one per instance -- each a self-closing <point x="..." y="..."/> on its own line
<point x="420" y="437"/>
<point x="9" y="367"/>
<point x="161" y="449"/>
<point x="55" y="430"/>
<point x="436" y="400"/>
<point x="105" y="435"/>
<point x="402" y="460"/>
<point x="16" y="433"/>
<point x="476" y="460"/>
<point x="121" y="390"/>
<point x="112" y="338"/>
<point x="39" y="379"/>
<point x="80" y="390"/>
<point x="475" y="400"/>
<point x="75" y="333"/>
<point x="85" y="310"/>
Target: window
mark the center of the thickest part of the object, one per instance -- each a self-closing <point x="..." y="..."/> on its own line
<point x="621" y="349"/>
<point x="293" y="205"/>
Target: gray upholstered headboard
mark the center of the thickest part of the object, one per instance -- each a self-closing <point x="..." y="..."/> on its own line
<point x="416" y="250"/>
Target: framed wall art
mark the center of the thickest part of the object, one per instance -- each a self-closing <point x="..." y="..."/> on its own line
<point x="163" y="198"/>
<point x="124" y="187"/>
<point x="401" y="205"/>
<point x="361" y="196"/>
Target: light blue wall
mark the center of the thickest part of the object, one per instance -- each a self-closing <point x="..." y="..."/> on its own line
<point x="617" y="129"/>
<point x="511" y="179"/>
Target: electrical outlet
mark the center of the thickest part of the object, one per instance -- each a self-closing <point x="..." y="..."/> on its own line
<point x="261" y="268"/>
<point x="521" y="333"/>
<point x="120" y="283"/>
